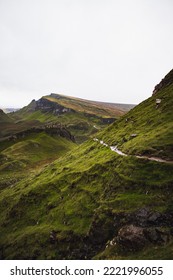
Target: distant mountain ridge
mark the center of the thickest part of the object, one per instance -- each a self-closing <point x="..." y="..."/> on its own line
<point x="53" y="102"/>
<point x="81" y="117"/>
<point x="112" y="108"/>
<point x="10" y="110"/>
<point x="46" y="129"/>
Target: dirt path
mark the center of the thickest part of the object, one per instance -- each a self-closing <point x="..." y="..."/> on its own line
<point x="115" y="149"/>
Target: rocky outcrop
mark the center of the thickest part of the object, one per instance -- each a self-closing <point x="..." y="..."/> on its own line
<point x="130" y="232"/>
<point x="51" y="129"/>
<point x="168" y="80"/>
<point x="45" y="105"/>
<point x="158" y="236"/>
<point x="131" y="238"/>
<point x="146" y="217"/>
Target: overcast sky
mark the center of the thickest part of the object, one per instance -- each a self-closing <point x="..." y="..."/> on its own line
<point x="107" y="50"/>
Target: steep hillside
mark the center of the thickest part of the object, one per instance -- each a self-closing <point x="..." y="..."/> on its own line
<point x="9" y="126"/>
<point x="94" y="202"/>
<point x="148" y="128"/>
<point x="81" y="117"/>
<point x="77" y="205"/>
<point x="4" y="118"/>
<point x="30" y="150"/>
<point x="165" y="82"/>
<point x="5" y="123"/>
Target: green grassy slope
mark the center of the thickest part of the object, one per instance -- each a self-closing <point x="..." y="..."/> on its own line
<point x="10" y="126"/>
<point x="78" y="124"/>
<point x="21" y="157"/>
<point x="5" y="122"/>
<point x="4" y="118"/>
<point x="79" y="197"/>
<point x="151" y="125"/>
<point x="78" y="206"/>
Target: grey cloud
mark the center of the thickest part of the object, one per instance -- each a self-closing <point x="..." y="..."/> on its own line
<point x="104" y="50"/>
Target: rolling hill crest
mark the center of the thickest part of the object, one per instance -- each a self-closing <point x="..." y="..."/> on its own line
<point x="81" y="117"/>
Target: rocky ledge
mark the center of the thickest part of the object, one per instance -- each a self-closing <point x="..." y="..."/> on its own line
<point x="168" y="80"/>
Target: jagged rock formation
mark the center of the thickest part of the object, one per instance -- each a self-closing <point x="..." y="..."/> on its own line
<point x="166" y="81"/>
<point x="47" y="106"/>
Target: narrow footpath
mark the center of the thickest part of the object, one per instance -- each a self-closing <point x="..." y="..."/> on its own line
<point x="115" y="149"/>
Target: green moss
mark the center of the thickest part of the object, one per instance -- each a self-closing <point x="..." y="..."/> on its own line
<point x="68" y="193"/>
<point x="152" y="125"/>
<point x="22" y="157"/>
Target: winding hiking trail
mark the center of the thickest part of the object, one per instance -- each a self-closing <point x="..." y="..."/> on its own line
<point x="115" y="149"/>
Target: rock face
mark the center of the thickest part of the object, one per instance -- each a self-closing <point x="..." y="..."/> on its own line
<point x="145" y="217"/>
<point x="131" y="238"/>
<point x="168" y="80"/>
<point x="47" y="106"/>
<point x="130" y="232"/>
<point x="142" y="228"/>
<point x="51" y="129"/>
<point x="157" y="235"/>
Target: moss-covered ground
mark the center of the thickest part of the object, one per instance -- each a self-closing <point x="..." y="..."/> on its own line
<point x="68" y="194"/>
<point x="24" y="156"/>
<point x="147" y="129"/>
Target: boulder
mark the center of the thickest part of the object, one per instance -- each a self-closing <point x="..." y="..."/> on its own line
<point x="140" y="217"/>
<point x="154" y="218"/>
<point x="131" y="238"/>
<point x="157" y="235"/>
<point x="146" y="217"/>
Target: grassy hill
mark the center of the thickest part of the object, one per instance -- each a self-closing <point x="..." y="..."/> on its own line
<point x="5" y="121"/>
<point x="10" y="126"/>
<point x="29" y="150"/>
<point x="25" y="143"/>
<point x="148" y="128"/>
<point x="81" y="117"/>
<point x="102" y="109"/>
<point x="94" y="203"/>
<point x="4" y="118"/>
